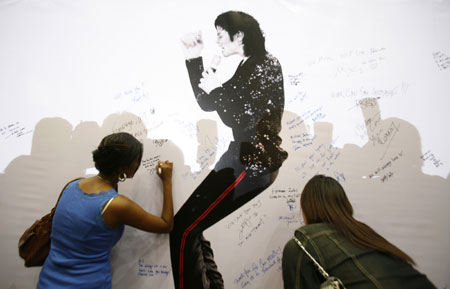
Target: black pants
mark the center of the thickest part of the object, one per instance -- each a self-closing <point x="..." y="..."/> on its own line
<point x="220" y="193"/>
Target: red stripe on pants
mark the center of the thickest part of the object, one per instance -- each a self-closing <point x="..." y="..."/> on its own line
<point x="202" y="216"/>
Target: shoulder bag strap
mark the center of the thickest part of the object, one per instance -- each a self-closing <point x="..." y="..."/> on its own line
<point x="321" y="270"/>
<point x="60" y="194"/>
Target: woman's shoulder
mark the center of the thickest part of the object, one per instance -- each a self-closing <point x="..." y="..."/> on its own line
<point x="290" y="249"/>
<point x="305" y="234"/>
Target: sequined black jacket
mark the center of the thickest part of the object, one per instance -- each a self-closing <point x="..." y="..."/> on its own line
<point x="251" y="103"/>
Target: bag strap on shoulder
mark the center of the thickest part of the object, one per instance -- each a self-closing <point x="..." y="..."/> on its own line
<point x="320" y="268"/>
<point x="335" y="282"/>
<point x="60" y="194"/>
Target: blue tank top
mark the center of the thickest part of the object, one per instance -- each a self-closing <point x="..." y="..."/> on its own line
<point x="81" y="242"/>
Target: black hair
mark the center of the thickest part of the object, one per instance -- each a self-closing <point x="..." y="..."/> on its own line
<point x="116" y="151"/>
<point x="235" y="21"/>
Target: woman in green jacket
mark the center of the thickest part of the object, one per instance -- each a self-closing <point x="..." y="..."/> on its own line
<point x="347" y="248"/>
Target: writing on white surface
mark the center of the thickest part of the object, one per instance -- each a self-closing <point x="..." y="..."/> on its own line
<point x="13" y="130"/>
<point x="290" y="195"/>
<point x="369" y="126"/>
<point x="301" y="140"/>
<point x="133" y="126"/>
<point x="367" y="103"/>
<point x="321" y="161"/>
<point x="368" y="97"/>
<point x="430" y="157"/>
<point x="222" y="143"/>
<point x="259" y="267"/>
<point x="247" y="222"/>
<point x="363" y="92"/>
<point x="290" y="219"/>
<point x="299" y="96"/>
<point x="135" y="93"/>
<point x="295" y="79"/>
<point x="378" y="133"/>
<point x="384" y="136"/>
<point x="205" y="158"/>
<point x="312" y="115"/>
<point x="186" y="127"/>
<point x="385" y="171"/>
<point x="152" y="270"/>
<point x="356" y="62"/>
<point x="159" y="142"/>
<point x="150" y="163"/>
<point x="372" y="123"/>
<point x="442" y="60"/>
<point x="352" y="62"/>
<point x="148" y="117"/>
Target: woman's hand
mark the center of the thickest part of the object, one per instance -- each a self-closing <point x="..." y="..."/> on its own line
<point x="122" y="210"/>
<point x="209" y="81"/>
<point x="192" y="44"/>
<point x="164" y="170"/>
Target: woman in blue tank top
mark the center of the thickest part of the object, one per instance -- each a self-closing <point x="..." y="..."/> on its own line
<point x="91" y="215"/>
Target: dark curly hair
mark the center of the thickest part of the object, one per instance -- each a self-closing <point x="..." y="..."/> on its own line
<point x="115" y="151"/>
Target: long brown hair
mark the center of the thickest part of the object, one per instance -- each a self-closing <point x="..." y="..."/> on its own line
<point x="323" y="200"/>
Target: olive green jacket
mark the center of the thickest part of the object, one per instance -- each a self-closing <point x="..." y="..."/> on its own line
<point x="358" y="268"/>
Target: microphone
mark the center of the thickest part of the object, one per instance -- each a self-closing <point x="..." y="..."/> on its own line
<point x="215" y="61"/>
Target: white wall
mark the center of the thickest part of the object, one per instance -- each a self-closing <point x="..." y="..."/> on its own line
<point x="74" y="71"/>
